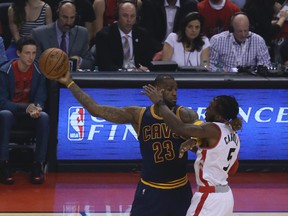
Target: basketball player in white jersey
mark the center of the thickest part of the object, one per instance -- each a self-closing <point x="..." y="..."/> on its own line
<point x="217" y="155"/>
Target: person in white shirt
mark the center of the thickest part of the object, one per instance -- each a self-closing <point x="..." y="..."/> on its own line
<point x="188" y="47"/>
<point x="238" y="47"/>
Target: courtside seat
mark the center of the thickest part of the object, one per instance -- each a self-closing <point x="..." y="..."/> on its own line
<point x="21" y="148"/>
<point x="22" y="137"/>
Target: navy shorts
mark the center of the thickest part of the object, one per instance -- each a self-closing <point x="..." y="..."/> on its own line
<point x="150" y="201"/>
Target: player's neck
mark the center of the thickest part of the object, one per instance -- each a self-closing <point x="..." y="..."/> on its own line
<point x="156" y="110"/>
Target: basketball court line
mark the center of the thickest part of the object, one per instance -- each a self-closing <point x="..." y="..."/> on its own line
<point x="126" y="214"/>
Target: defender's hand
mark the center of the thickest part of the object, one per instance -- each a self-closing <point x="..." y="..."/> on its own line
<point x="153" y="93"/>
<point x="189" y="144"/>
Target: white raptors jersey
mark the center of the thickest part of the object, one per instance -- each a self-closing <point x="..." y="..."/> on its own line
<point x="212" y="164"/>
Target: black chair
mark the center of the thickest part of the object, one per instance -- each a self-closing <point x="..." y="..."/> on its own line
<point x="24" y="137"/>
<point x="6" y="34"/>
<point x="22" y="145"/>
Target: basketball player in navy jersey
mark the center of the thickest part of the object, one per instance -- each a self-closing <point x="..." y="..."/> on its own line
<point x="164" y="189"/>
<point x="217" y="156"/>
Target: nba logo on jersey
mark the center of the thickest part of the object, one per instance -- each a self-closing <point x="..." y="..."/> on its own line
<point x="76" y="123"/>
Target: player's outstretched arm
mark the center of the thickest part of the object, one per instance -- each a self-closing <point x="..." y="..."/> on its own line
<point x="113" y="114"/>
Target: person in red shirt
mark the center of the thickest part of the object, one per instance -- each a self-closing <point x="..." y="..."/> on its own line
<point x="106" y="12"/>
<point x="22" y="102"/>
<point x="217" y="15"/>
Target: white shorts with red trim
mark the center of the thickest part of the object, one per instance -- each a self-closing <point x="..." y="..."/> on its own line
<point x="211" y="204"/>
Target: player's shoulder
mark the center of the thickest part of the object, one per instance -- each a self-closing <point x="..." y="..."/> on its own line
<point x="134" y="110"/>
<point x="187" y="115"/>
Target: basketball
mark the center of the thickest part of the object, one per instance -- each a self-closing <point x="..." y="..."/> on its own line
<point x="54" y="63"/>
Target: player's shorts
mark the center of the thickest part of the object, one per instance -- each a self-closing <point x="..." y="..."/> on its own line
<point x="212" y="204"/>
<point x="149" y="201"/>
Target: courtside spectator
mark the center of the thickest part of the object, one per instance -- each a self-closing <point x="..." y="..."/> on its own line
<point x="124" y="45"/>
<point x="64" y="34"/>
<point x="106" y="12"/>
<point x="162" y="17"/>
<point x="24" y="15"/>
<point x="267" y="26"/>
<point x="188" y="47"/>
<point x="217" y="15"/>
<point x="238" y="47"/>
<point x="85" y="14"/>
<point x="22" y="101"/>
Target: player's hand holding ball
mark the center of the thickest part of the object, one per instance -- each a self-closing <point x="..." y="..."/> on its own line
<point x="54" y="63"/>
<point x="66" y="79"/>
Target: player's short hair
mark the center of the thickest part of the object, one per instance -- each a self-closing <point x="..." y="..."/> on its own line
<point x="161" y="78"/>
<point x="227" y="106"/>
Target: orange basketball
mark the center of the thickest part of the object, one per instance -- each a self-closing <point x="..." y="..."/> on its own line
<point x="54" y="63"/>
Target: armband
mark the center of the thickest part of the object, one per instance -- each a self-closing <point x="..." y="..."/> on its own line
<point x="71" y="83"/>
<point x="198" y="122"/>
<point x="198" y="140"/>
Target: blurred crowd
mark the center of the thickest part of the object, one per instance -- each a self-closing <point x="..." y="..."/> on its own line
<point x="124" y="35"/>
<point x="117" y="35"/>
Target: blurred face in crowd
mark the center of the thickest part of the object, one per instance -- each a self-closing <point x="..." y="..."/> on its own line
<point x="67" y="16"/>
<point x="241" y="27"/>
<point x="26" y="56"/>
<point x="192" y="29"/>
<point x="127" y="17"/>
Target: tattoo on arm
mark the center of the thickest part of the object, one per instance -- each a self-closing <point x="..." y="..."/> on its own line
<point x="188" y="115"/>
<point x="82" y="97"/>
<point x="109" y="113"/>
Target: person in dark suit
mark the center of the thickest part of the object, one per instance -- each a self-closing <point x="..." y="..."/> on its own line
<point x="110" y="43"/>
<point x="85" y="14"/>
<point x="75" y="42"/>
<point x="161" y="17"/>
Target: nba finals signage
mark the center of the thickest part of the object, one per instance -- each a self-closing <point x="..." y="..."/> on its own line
<point x="84" y="137"/>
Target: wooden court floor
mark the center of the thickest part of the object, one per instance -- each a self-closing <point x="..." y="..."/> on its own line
<point x="111" y="194"/>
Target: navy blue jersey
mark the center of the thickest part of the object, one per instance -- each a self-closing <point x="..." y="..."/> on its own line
<point x="162" y="167"/>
